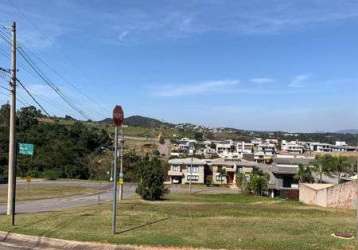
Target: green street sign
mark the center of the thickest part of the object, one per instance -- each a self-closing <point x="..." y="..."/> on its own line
<point x="26" y="149"/>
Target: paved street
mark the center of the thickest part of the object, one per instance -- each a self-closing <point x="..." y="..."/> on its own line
<point x="55" y="204"/>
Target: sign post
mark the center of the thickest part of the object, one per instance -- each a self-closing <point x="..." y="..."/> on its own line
<point x="118" y="119"/>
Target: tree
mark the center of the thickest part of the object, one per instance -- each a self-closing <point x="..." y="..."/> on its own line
<point x="28" y="117"/>
<point x="151" y="179"/>
<point x="322" y="164"/>
<point x="258" y="182"/>
<point x="304" y="174"/>
<point x="341" y="164"/>
<point x="222" y="173"/>
<point x="241" y="182"/>
<point x="329" y="165"/>
<point x="199" y="136"/>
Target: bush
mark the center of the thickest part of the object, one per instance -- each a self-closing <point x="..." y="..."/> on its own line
<point x="51" y="174"/>
<point x="151" y="179"/>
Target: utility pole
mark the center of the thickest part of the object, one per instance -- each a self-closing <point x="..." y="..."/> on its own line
<point x="118" y="119"/>
<point x="121" y="165"/>
<point x="12" y="134"/>
<point x="356" y="182"/>
<point x="114" y="214"/>
<point x="191" y="173"/>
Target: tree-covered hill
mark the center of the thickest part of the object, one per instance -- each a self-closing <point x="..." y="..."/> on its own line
<point x="63" y="150"/>
<point x="140" y="121"/>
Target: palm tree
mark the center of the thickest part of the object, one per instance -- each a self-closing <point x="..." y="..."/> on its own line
<point x="304" y="174"/>
<point x="341" y="165"/>
<point x="323" y="164"/>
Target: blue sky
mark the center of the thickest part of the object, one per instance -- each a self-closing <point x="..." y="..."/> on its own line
<point x="263" y="65"/>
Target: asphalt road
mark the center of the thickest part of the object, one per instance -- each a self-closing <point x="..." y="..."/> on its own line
<point x="55" y="204"/>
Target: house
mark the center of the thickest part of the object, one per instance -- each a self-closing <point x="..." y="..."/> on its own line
<point x="282" y="175"/>
<point x="187" y="169"/>
<point x="320" y="147"/>
<point x="230" y="171"/>
<point x="225" y="147"/>
<point x="292" y="147"/>
<point x="244" y="147"/>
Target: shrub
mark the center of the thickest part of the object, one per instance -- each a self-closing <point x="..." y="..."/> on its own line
<point x="51" y="174"/>
<point x="151" y="179"/>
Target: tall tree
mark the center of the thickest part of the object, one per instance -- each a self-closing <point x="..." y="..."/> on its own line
<point x="341" y="164"/>
<point x="322" y="164"/>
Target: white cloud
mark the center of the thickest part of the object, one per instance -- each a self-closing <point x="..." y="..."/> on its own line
<point x="262" y="80"/>
<point x="197" y="88"/>
<point x="299" y="81"/>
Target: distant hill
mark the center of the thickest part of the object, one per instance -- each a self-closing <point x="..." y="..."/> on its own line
<point x="348" y="131"/>
<point x="141" y="121"/>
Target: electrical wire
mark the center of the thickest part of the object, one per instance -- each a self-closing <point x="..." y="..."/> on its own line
<point x="32" y="97"/>
<point x="48" y="82"/>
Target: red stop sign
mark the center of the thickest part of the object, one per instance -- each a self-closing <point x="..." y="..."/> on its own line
<point x="118" y="116"/>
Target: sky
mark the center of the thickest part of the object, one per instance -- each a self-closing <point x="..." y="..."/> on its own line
<point x="257" y="65"/>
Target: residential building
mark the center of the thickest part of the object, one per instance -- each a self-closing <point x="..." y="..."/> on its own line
<point x="187" y="169"/>
<point x="244" y="147"/>
<point x="292" y="147"/>
<point x="229" y="168"/>
<point x="225" y="147"/>
<point x="282" y="175"/>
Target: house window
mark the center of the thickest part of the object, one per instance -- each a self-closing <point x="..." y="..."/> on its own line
<point x="176" y="168"/>
<point x="193" y="169"/>
<point x="193" y="177"/>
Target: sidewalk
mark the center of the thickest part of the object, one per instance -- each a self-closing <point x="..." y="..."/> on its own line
<point x="20" y="241"/>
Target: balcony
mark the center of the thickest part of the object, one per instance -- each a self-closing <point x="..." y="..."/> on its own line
<point x="175" y="173"/>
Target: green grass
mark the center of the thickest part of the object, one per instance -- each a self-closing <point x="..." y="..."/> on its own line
<point x="35" y="191"/>
<point x="231" y="221"/>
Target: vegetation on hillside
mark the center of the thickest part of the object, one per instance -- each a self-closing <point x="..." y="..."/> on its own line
<point x="60" y="150"/>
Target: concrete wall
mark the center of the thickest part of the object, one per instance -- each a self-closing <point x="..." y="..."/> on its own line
<point x="343" y="195"/>
<point x="312" y="196"/>
<point x="337" y="196"/>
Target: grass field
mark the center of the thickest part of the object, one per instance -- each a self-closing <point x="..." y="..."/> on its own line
<point x="231" y="221"/>
<point x="34" y="191"/>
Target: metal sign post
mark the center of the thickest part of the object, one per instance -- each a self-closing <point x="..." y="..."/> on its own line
<point x="118" y="119"/>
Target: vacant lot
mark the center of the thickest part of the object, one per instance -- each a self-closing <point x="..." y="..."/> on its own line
<point x="232" y="221"/>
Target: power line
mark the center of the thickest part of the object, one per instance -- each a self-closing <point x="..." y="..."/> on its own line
<point x="32" y="97"/>
<point x="35" y="68"/>
<point x="68" y="82"/>
<point x="4" y="88"/>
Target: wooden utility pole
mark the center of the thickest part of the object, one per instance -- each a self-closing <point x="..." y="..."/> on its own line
<point x="12" y="133"/>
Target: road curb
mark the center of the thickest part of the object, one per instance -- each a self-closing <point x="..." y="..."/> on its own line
<point x="41" y="242"/>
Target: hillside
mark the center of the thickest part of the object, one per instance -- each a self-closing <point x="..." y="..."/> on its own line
<point x="140" y="121"/>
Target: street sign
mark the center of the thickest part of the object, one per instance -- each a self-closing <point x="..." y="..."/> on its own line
<point x="120" y="181"/>
<point x="26" y="149"/>
<point x="118" y="116"/>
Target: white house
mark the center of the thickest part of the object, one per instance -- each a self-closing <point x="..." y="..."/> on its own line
<point x="186" y="170"/>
